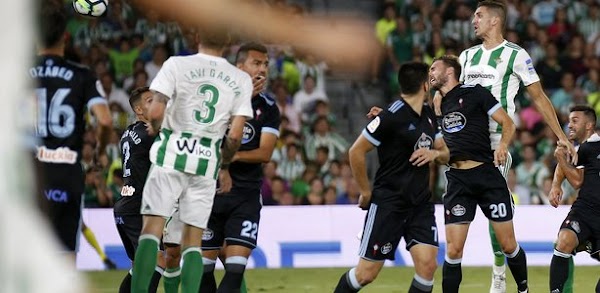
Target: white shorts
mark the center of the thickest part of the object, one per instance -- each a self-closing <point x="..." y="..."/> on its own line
<point x="173" y="229"/>
<point x="165" y="187"/>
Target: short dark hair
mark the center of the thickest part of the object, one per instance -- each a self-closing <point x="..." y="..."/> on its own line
<point x="411" y="76"/>
<point x="450" y="61"/>
<point x="51" y="21"/>
<point x="136" y="95"/>
<point x="242" y="53"/>
<point x="498" y="7"/>
<point x="214" y="38"/>
<point x="587" y="111"/>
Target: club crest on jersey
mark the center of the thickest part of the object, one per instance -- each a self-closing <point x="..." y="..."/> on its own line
<point x="454" y="122"/>
<point x="372" y="126"/>
<point x="424" y="142"/>
<point x="248" y="134"/>
<point x="482" y="74"/>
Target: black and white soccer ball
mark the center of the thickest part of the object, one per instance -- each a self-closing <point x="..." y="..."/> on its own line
<point x="93" y="8"/>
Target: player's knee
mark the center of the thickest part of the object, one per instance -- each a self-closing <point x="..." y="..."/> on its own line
<point x="454" y="252"/>
<point x="427" y="268"/>
<point x="508" y="247"/>
<point x="172" y="256"/>
<point x="567" y="241"/>
<point x="365" y="276"/>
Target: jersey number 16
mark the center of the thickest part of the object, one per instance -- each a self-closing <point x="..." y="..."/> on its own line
<point x="50" y="115"/>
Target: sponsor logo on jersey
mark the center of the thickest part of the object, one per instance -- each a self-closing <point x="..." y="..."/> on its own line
<point x="192" y="146"/>
<point x="372" y="126"/>
<point x="458" y="210"/>
<point x="482" y="74"/>
<point x="127" y="190"/>
<point x="62" y="155"/>
<point x="424" y="142"/>
<point x="248" y="134"/>
<point x="454" y="122"/>
<point x="385" y="249"/>
<point x="208" y="234"/>
<point x="119" y="221"/>
<point x="56" y="195"/>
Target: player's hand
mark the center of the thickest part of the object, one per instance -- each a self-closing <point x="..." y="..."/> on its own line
<point x="555" y="196"/>
<point x="560" y="151"/>
<point x="374" y="111"/>
<point x="423" y="156"/>
<point x="364" y="200"/>
<point x="437" y="103"/>
<point x="571" y="152"/>
<point x="500" y="155"/>
<point x="225" y="182"/>
<point x="258" y="83"/>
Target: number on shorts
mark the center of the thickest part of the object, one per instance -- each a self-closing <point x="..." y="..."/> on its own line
<point x="498" y="210"/>
<point x="207" y="113"/>
<point x="250" y="229"/>
<point x="435" y="235"/>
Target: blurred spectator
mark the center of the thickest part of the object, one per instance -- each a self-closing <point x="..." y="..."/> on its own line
<point x="541" y="196"/>
<point x="560" y="30"/>
<point x="322" y="110"/>
<point x="562" y="99"/>
<point x="154" y="32"/>
<point x="138" y="65"/>
<point x="114" y="94"/>
<point x="399" y="44"/>
<point x="435" y="48"/>
<point x="95" y="194"/>
<point x="351" y="195"/>
<point x="537" y="49"/>
<point x="291" y="165"/>
<point x="301" y="186"/>
<point x="330" y="196"/>
<point x="309" y="66"/>
<point x="550" y="69"/>
<point x="322" y="160"/>
<point x="589" y="26"/>
<point x="140" y="79"/>
<point x="87" y="155"/>
<point x="278" y="190"/>
<point x="572" y="61"/>
<point x="520" y="193"/>
<point x="383" y="27"/>
<point x="116" y="185"/>
<point x="122" y="59"/>
<point x="159" y="56"/>
<point x="315" y="194"/>
<point x="460" y="28"/>
<point x="543" y="12"/>
<point x="321" y="135"/>
<point x="589" y="82"/>
<point x="304" y="100"/>
<point x="530" y="172"/>
<point x="268" y="174"/>
<point x="421" y="36"/>
<point x="286" y="108"/>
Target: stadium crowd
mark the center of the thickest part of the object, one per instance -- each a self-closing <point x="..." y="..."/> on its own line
<point x="126" y="49"/>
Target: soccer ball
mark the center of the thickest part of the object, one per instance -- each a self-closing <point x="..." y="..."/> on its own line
<point x="94" y="8"/>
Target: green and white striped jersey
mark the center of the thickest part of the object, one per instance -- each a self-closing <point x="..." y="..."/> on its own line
<point x="500" y="70"/>
<point x="205" y="91"/>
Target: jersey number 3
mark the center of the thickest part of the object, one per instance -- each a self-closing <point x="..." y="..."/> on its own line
<point x="50" y="115"/>
<point x="211" y="97"/>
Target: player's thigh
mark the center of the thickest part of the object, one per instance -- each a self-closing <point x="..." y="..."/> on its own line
<point x="214" y="234"/>
<point x="242" y="223"/>
<point x="129" y="228"/>
<point x="173" y="229"/>
<point x="367" y="270"/>
<point x="505" y="235"/>
<point x="196" y="203"/>
<point x="494" y="198"/>
<point x="425" y="259"/>
<point x="382" y="231"/>
<point x="163" y="188"/>
<point x="575" y="229"/>
<point x="421" y="227"/>
<point x="456" y="235"/>
<point x="459" y="204"/>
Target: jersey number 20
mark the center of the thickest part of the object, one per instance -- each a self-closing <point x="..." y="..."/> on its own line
<point x="207" y="113"/>
<point x="49" y="116"/>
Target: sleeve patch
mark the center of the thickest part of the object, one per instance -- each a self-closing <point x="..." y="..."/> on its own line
<point x="373" y="125"/>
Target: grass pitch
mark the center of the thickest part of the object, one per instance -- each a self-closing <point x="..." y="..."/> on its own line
<point x="391" y="279"/>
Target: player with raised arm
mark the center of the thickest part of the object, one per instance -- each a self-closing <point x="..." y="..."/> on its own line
<point x="135" y="145"/>
<point x="582" y="225"/>
<point x="194" y="99"/>
<point x="65" y="91"/>
<point x="473" y="178"/>
<point x="500" y="66"/>
<point x="407" y="138"/>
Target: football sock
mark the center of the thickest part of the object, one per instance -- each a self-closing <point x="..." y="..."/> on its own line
<point x="191" y="272"/>
<point x="517" y="262"/>
<point x="498" y="255"/>
<point x="126" y="284"/>
<point x="420" y="285"/>
<point x="208" y="283"/>
<point x="234" y="272"/>
<point x="348" y="283"/>
<point x="158" y="272"/>
<point x="243" y="288"/>
<point x="598" y="286"/>
<point x="559" y="270"/>
<point x="171" y="280"/>
<point x="145" y="261"/>
<point x="451" y="275"/>
<point x="91" y="239"/>
<point x="568" y="287"/>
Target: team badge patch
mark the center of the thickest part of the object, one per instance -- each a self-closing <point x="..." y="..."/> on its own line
<point x="454" y="122"/>
<point x="424" y="142"/>
<point x="248" y="134"/>
<point x="458" y="210"/>
<point x="207" y="235"/>
<point x="385" y="249"/>
<point x="373" y="125"/>
<point x="575" y="226"/>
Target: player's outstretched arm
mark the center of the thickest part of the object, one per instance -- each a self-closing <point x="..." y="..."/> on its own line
<point x="556" y="191"/>
<point x="262" y="154"/>
<point x="544" y="106"/>
<point x="102" y="114"/>
<point x="508" y="131"/>
<point x="357" y="155"/>
<point x="233" y="139"/>
<point x="574" y="175"/>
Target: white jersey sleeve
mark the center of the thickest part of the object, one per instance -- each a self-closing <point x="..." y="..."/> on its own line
<point x="242" y="105"/>
<point x="462" y="60"/>
<point x="523" y="68"/>
<point x="165" y="80"/>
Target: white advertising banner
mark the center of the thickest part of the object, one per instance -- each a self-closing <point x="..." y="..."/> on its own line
<point x="327" y="236"/>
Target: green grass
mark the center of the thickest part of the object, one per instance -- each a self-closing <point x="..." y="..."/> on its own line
<point x="391" y="279"/>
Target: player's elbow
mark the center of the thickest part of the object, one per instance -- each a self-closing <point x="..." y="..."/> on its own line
<point x="576" y="183"/>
